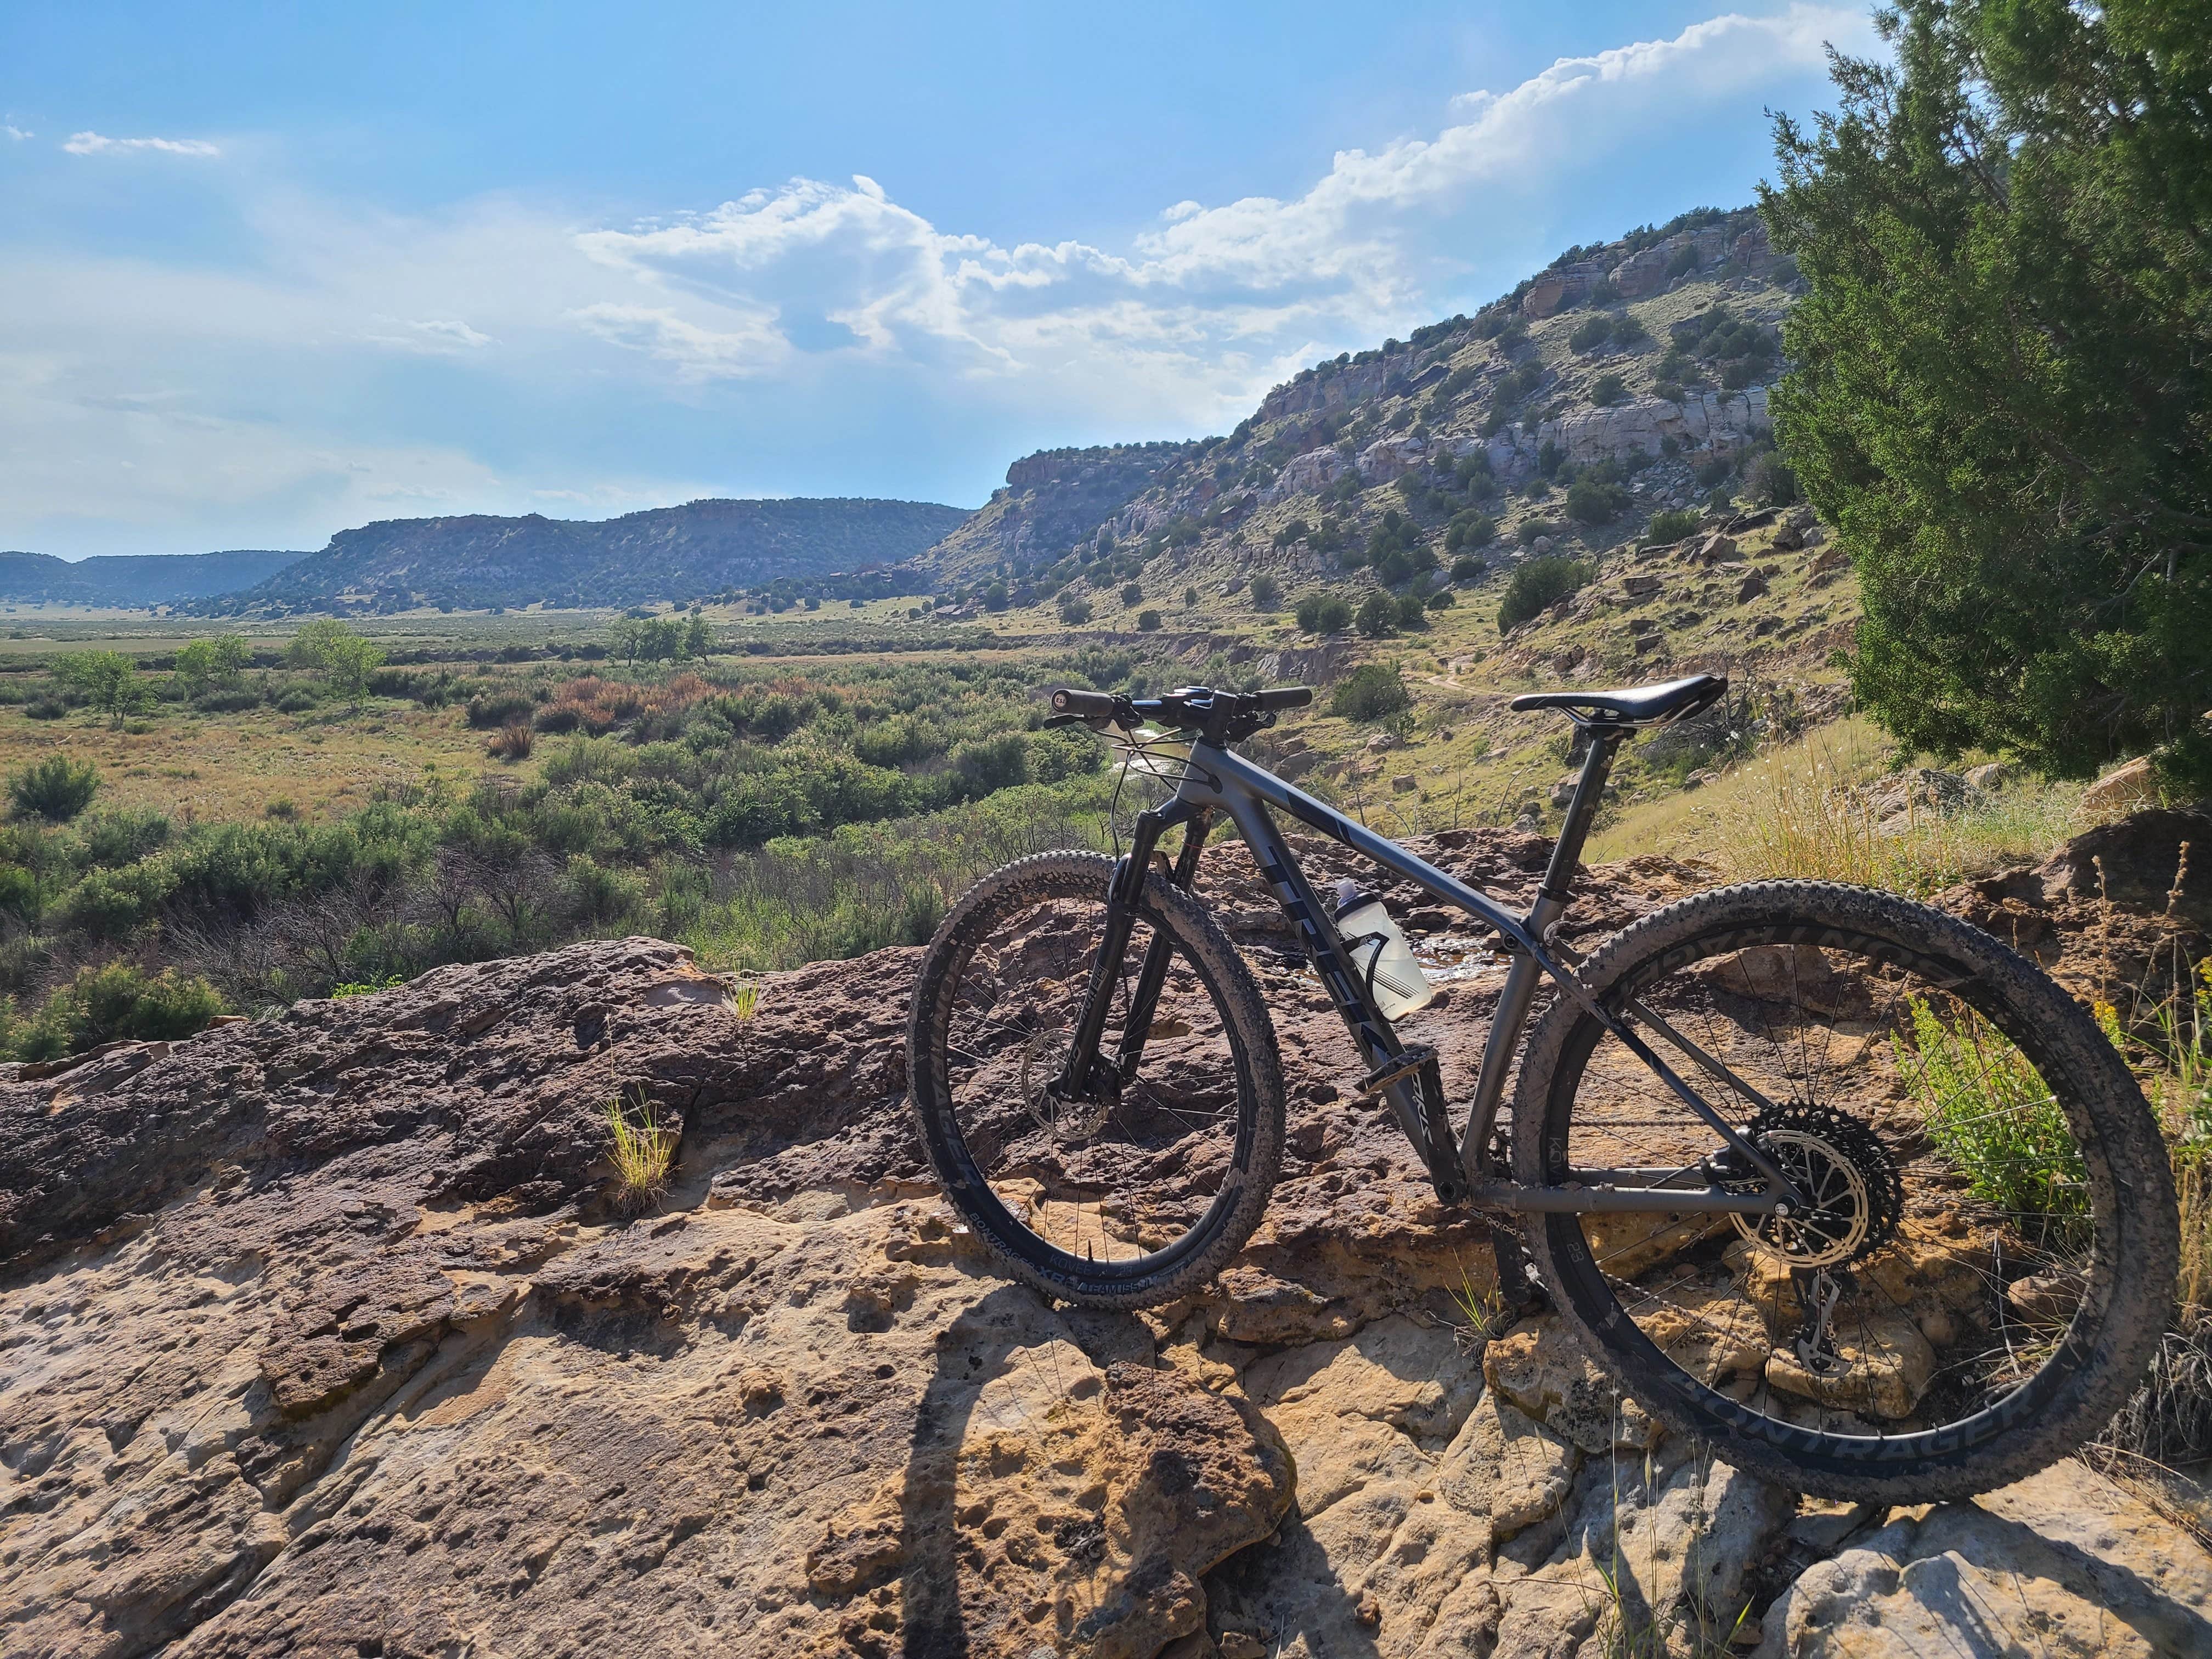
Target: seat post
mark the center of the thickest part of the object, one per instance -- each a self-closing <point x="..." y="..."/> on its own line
<point x="1558" y="885"/>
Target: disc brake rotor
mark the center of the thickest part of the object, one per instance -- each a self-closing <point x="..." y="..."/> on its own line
<point x="1853" y="1193"/>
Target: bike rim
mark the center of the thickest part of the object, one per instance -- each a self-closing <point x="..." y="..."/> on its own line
<point x="1924" y="1109"/>
<point x="1118" y="1188"/>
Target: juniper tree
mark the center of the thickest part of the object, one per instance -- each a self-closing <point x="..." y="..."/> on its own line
<point x="1998" y="394"/>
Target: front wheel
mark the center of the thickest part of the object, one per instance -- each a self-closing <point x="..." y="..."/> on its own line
<point x="1143" y="1191"/>
<point x="1987" y="1256"/>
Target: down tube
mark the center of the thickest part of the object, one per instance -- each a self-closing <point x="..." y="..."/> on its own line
<point x="1234" y="776"/>
<point x="1377" y="1042"/>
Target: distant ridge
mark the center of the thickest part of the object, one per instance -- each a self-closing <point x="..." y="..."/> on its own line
<point x="669" y="553"/>
<point x="134" y="580"/>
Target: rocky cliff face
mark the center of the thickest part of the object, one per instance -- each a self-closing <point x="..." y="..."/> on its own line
<point x="1051" y="500"/>
<point x="321" y="1338"/>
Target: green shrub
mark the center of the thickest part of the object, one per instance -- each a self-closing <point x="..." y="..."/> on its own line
<point x="235" y="700"/>
<point x="1377" y="615"/>
<point x="1132" y="594"/>
<point x="490" y="710"/>
<point x="1441" y="599"/>
<point x="102" y="1004"/>
<point x="1372" y="691"/>
<point x="1469" y="529"/>
<point x="1537" y="584"/>
<point x="1413" y="613"/>
<point x="1532" y="528"/>
<point x="1769" y="482"/>
<point x="1469" y="568"/>
<point x="298" y="700"/>
<point x="1987" y="1109"/>
<point x="1607" y="390"/>
<point x="1148" y="622"/>
<point x="1074" y="609"/>
<point x="109" y="903"/>
<point x="1589" y="501"/>
<point x="1591" y="334"/>
<point x="56" y="788"/>
<point x="125" y="835"/>
<point x="1265" y="591"/>
<point x="1671" y="526"/>
<point x="1323" y="613"/>
<point x="988" y="764"/>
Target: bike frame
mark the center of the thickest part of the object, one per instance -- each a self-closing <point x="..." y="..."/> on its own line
<point x="1217" y="779"/>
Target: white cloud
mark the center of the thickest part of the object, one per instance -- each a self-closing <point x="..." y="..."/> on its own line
<point x="15" y="132"/>
<point x="94" y="143"/>
<point x="445" y="337"/>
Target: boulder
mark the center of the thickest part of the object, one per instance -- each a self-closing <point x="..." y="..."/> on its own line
<point x="2123" y="789"/>
<point x="1990" y="776"/>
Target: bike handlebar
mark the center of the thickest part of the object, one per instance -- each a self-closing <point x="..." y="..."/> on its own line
<point x="1222" y="716"/>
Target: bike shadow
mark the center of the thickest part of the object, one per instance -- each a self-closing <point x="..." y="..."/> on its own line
<point x="941" y="1617"/>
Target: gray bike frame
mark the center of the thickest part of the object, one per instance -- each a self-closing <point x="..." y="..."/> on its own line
<point x="1216" y="779"/>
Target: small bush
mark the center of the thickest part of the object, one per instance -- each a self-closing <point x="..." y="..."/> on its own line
<point x="512" y="741"/>
<point x="56" y="788"/>
<point x="489" y="711"/>
<point x="1132" y="594"/>
<point x="1671" y="526"/>
<point x="234" y="700"/>
<point x="1378" y="615"/>
<point x="1469" y="568"/>
<point x="1265" y="591"/>
<point x="1537" y="584"/>
<point x="1590" y="334"/>
<point x="1607" y="390"/>
<point x="298" y="700"/>
<point x="1769" y="482"/>
<point x="1469" y="529"/>
<point x="1074" y="609"/>
<point x="1372" y="691"/>
<point x="1531" y="529"/>
<point x="102" y="1004"/>
<point x="45" y="709"/>
<point x="1323" y="613"/>
<point x="1413" y="611"/>
<point x="1591" y="502"/>
<point x="1148" y="622"/>
<point x="1441" y="599"/>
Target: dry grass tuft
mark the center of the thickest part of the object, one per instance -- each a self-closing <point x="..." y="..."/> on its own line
<point x="1807" y="810"/>
<point x="512" y="741"/>
<point x="641" y="1152"/>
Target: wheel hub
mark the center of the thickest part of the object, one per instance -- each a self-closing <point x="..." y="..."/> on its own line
<point x="1852" y="1190"/>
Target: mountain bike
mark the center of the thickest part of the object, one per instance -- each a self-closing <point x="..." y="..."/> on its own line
<point x="1831" y="1179"/>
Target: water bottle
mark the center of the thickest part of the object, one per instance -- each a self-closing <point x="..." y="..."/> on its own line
<point x="1379" y="951"/>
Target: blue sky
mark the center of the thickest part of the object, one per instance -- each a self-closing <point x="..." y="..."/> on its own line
<point x="263" y="277"/>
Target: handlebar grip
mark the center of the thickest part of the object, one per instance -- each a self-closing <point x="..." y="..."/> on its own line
<point x="1083" y="705"/>
<point x="1287" y="696"/>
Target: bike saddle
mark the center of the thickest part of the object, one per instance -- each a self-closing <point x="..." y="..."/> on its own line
<point x="1634" y="705"/>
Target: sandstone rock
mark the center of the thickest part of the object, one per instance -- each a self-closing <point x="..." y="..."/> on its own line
<point x="2063" y="1563"/>
<point x="2123" y="789"/>
<point x="1920" y="791"/>
<point x="1751" y="587"/>
<point x="1990" y="776"/>
<point x="1404" y="784"/>
<point x="1639" y="587"/>
<point x="1546" y="1376"/>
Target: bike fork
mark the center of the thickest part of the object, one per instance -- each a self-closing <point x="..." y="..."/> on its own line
<point x="1086" y="1073"/>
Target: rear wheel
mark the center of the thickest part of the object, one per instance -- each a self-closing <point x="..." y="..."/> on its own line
<point x="1989" y="1251"/>
<point x="1143" y="1192"/>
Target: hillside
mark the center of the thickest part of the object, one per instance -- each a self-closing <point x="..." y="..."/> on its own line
<point x="1050" y="501"/>
<point x="674" y="553"/>
<point x="133" y="581"/>
<point x="1411" y="482"/>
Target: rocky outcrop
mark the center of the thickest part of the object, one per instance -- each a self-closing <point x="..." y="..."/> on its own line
<point x="322" y="1337"/>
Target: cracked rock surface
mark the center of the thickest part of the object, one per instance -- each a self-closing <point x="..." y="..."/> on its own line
<point x="319" y="1336"/>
